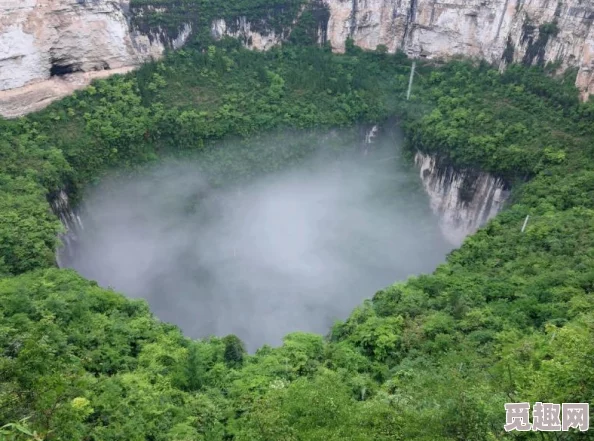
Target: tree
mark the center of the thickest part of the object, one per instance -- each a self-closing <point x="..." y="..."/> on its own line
<point x="234" y="351"/>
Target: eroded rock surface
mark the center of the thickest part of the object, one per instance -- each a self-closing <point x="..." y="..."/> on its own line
<point x="44" y="39"/>
<point x="499" y="31"/>
<point x="464" y="200"/>
<point x="47" y="45"/>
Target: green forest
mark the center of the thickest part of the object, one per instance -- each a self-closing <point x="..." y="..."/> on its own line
<point x="508" y="317"/>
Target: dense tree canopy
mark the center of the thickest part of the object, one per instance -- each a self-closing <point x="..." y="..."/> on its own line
<point x="508" y="317"/>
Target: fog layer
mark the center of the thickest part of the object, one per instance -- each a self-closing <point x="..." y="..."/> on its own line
<point x="289" y="251"/>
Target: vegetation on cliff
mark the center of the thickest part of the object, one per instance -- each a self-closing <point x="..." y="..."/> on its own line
<point x="165" y="18"/>
<point x="508" y="318"/>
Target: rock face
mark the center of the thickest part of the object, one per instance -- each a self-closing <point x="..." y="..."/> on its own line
<point x="60" y="39"/>
<point x="499" y="31"/>
<point x="463" y="199"/>
<point x="57" y="39"/>
<point x="71" y="222"/>
<point x="241" y="29"/>
<point x="44" y="38"/>
<point x="37" y="95"/>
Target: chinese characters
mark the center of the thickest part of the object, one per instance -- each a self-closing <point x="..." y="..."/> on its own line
<point x="547" y="417"/>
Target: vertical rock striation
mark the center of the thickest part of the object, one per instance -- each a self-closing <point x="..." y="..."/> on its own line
<point x="72" y="223"/>
<point x="49" y="48"/>
<point x="499" y="31"/>
<point x="241" y="29"/>
<point x="464" y="200"/>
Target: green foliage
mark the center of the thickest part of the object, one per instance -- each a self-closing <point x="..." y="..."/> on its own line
<point x="20" y="430"/>
<point x="508" y="317"/>
<point x="28" y="231"/>
<point x="549" y="29"/>
<point x="234" y="351"/>
<point x="30" y="167"/>
<point x="167" y="17"/>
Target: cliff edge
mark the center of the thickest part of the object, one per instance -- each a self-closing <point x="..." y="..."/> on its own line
<point x="48" y="48"/>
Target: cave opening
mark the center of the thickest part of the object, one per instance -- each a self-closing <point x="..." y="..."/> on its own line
<point x="58" y="69"/>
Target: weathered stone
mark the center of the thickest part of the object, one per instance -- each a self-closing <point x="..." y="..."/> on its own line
<point x="46" y="45"/>
<point x="464" y="200"/>
<point x="493" y="30"/>
<point x="40" y="39"/>
<point x="241" y="29"/>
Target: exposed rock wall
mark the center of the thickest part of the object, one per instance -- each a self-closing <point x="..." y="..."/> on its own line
<point x="71" y="222"/>
<point x="241" y="28"/>
<point x="43" y="40"/>
<point x="36" y="96"/>
<point x="499" y="31"/>
<point x="56" y="39"/>
<point x="463" y="199"/>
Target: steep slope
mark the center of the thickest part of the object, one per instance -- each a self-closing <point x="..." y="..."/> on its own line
<point x="499" y="31"/>
<point x="57" y="40"/>
<point x="508" y="317"/>
<point x="464" y="200"/>
<point x="40" y="41"/>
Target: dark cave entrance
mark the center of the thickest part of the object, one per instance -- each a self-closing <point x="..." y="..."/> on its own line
<point x="57" y="69"/>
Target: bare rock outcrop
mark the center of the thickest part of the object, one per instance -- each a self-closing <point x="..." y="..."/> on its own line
<point x="242" y="29"/>
<point x="499" y="31"/>
<point x="48" y="48"/>
<point x="464" y="200"/>
<point x="42" y="40"/>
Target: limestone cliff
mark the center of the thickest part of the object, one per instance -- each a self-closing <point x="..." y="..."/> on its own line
<point x="463" y="199"/>
<point x="241" y="28"/>
<point x="499" y="31"/>
<point x="48" y="48"/>
<point x="71" y="222"/>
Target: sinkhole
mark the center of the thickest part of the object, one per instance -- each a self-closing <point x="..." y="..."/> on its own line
<point x="285" y="232"/>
